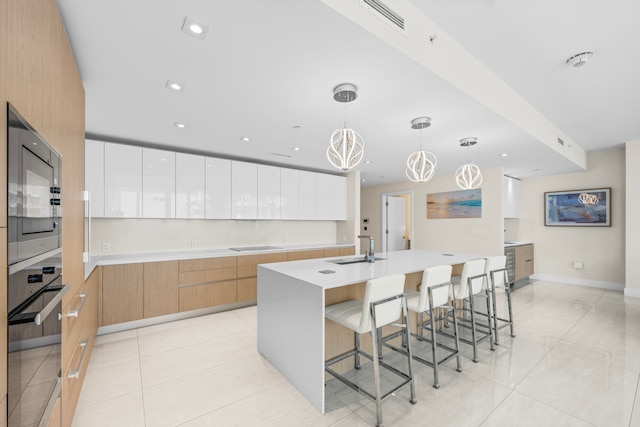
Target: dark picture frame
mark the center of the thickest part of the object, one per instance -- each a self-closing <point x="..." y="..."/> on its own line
<point x="578" y="208"/>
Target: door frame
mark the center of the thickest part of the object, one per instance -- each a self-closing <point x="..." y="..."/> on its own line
<point x="383" y="222"/>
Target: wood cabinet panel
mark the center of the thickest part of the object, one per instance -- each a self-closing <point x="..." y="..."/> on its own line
<point x="207" y="276"/>
<point x="331" y="252"/>
<point x="299" y="255"/>
<point x="351" y="250"/>
<point x="248" y="264"/>
<point x="524" y="261"/>
<point x="207" y="295"/>
<point x="247" y="289"/>
<point x="207" y="263"/>
<point x="122" y="293"/>
<point x="160" y="288"/>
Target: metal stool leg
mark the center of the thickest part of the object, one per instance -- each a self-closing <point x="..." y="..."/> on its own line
<point x="495" y="310"/>
<point x="356" y="338"/>
<point x="508" y="290"/>
<point x="376" y="368"/>
<point x="434" y="345"/>
<point x="473" y="329"/>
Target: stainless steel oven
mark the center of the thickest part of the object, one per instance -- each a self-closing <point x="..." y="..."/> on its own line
<point x="35" y="285"/>
<point x="33" y="192"/>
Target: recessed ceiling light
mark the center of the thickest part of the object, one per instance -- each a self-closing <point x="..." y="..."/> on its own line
<point x="180" y="125"/>
<point x="367" y="162"/>
<point x="174" y="86"/>
<point x="245" y="139"/>
<point x="364" y="180"/>
<point x="503" y="155"/>
<point x="194" y="29"/>
<point x="296" y="148"/>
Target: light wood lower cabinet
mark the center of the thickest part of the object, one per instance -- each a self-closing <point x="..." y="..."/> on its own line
<point x="144" y="290"/>
<point x="160" y="286"/>
<point x="524" y="262"/>
<point x="79" y="327"/>
<point x="122" y="293"/>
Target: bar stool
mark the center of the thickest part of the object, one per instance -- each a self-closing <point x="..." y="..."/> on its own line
<point x="474" y="283"/>
<point x="496" y="269"/>
<point x="384" y="303"/>
<point x="436" y="291"/>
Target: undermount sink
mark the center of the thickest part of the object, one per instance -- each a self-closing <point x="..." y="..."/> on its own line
<point x="345" y="261"/>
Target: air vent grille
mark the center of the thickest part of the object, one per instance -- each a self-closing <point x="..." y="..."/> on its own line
<point x="386" y="12"/>
<point x="561" y="142"/>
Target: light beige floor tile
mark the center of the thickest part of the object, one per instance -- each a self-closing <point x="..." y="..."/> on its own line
<point x="463" y="399"/>
<point x="279" y="406"/>
<point x="635" y="417"/>
<point x="520" y="411"/>
<point x="585" y="383"/>
<point x="123" y="411"/>
<point x="511" y="361"/>
<point x="618" y="334"/>
<point x="194" y="395"/>
<point x="111" y="353"/>
<point x="111" y="382"/>
<point x="156" y="339"/>
<point x="116" y="336"/>
<point x="615" y="302"/>
<point x="172" y="364"/>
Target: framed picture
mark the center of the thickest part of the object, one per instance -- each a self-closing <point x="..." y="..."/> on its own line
<point x="455" y="204"/>
<point x="578" y="208"/>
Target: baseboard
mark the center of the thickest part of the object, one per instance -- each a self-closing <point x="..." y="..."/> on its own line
<point x="581" y="282"/>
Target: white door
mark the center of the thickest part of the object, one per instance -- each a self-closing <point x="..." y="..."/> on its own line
<point x="396" y="219"/>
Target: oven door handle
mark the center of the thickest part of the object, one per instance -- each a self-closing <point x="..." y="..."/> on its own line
<point x="44" y="313"/>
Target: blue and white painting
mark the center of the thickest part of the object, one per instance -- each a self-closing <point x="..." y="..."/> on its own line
<point x="581" y="208"/>
<point x="455" y="204"/>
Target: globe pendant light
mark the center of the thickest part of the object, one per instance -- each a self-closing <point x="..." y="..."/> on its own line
<point x="421" y="165"/>
<point x="346" y="147"/>
<point x="468" y="176"/>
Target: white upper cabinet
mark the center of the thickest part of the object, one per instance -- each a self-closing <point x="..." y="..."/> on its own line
<point x="331" y="195"/>
<point x="158" y="183"/>
<point x="94" y="175"/>
<point x="268" y="192"/>
<point x="122" y="181"/>
<point x="217" y="188"/>
<point x="289" y="193"/>
<point x="244" y="190"/>
<point x="510" y="197"/>
<point x="190" y="189"/>
<point x="307" y="191"/>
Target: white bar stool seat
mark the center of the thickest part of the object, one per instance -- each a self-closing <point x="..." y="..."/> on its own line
<point x="384" y="304"/>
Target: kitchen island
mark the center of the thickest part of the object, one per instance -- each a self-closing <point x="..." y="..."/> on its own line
<point x="292" y="333"/>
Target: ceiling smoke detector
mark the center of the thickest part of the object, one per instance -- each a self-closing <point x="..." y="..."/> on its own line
<point x="579" y="59"/>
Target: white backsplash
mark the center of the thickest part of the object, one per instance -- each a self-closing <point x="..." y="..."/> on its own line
<point x="123" y="236"/>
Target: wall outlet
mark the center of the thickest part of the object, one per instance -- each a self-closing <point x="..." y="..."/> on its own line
<point x="578" y="265"/>
<point x="591" y="266"/>
<point x="106" y="247"/>
<point x="193" y="243"/>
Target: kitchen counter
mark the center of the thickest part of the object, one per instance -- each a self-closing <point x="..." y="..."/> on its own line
<point x="511" y="243"/>
<point x="291" y="302"/>
<point x="134" y="258"/>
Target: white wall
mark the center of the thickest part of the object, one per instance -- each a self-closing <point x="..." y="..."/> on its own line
<point x="483" y="235"/>
<point x="155" y="235"/>
<point x="632" y="253"/>
<point x="557" y="247"/>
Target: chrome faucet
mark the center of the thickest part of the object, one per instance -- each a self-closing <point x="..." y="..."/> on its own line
<point x="369" y="256"/>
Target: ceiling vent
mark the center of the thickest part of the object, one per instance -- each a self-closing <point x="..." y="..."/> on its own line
<point x="561" y="142"/>
<point x="385" y="11"/>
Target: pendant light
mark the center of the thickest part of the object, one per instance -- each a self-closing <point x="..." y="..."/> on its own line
<point x="346" y="147"/>
<point x="421" y="165"/>
<point x="468" y="176"/>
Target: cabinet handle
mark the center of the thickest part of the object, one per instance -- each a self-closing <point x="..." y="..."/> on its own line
<point x="76" y="372"/>
<point x="42" y="315"/>
<point x="75" y="313"/>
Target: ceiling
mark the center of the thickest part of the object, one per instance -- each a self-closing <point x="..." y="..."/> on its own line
<point x="267" y="70"/>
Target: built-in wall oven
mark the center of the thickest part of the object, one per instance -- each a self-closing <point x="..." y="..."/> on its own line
<point x="35" y="280"/>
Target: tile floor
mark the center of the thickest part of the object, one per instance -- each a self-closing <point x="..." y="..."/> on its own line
<point x="575" y="362"/>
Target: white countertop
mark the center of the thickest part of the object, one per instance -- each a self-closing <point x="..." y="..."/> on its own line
<point x="396" y="262"/>
<point x="511" y="243"/>
<point x="135" y="258"/>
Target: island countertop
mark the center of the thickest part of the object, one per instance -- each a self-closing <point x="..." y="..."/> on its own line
<point x="327" y="274"/>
